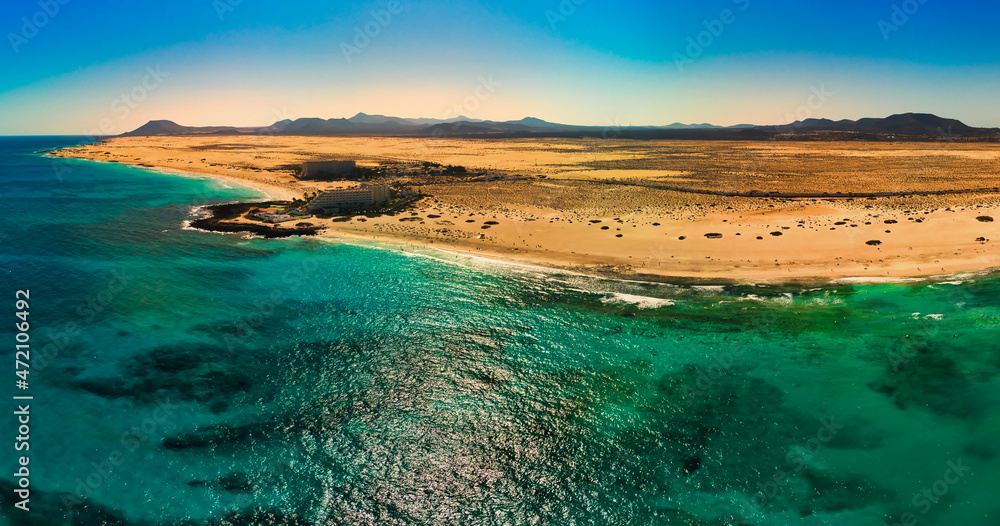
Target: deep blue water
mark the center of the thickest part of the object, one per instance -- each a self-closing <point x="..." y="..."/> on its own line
<point x="183" y="377"/>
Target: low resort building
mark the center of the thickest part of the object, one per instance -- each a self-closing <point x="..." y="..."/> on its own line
<point x="273" y="215"/>
<point x="337" y="200"/>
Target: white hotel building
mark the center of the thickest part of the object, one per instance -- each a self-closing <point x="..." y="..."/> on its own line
<point x="337" y="200"/>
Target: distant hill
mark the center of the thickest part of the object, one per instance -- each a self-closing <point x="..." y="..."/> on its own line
<point x="478" y="128"/>
<point x="362" y="118"/>
<point x="682" y="126"/>
<point x="172" y="128"/>
<point x="910" y="126"/>
<point x="310" y="126"/>
<point x="532" y="122"/>
<point x="460" y="118"/>
<point x="164" y="127"/>
<point x="906" y="124"/>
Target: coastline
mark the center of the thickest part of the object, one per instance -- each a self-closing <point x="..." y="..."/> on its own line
<point x="439" y="251"/>
<point x="222" y="216"/>
<point x="697" y="242"/>
<point x="270" y="192"/>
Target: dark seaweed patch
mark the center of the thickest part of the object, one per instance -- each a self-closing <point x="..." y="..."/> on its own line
<point x="204" y="374"/>
<point x="928" y="380"/>
<point x="54" y="509"/>
<point x="233" y="482"/>
<point x="220" y="434"/>
<point x="836" y="494"/>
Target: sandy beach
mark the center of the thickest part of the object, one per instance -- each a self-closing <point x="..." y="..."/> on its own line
<point x="713" y="211"/>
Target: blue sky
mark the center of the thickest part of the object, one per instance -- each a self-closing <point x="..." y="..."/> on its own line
<point x="113" y="65"/>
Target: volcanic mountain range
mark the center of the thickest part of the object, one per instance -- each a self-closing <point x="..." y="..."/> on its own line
<point x="914" y="126"/>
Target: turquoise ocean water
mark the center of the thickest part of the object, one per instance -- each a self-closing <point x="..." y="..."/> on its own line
<point x="183" y="377"/>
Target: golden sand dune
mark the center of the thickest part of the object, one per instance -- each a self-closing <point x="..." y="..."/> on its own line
<point x="767" y="211"/>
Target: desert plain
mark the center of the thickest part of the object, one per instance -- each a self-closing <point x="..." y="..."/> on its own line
<point x="712" y="211"/>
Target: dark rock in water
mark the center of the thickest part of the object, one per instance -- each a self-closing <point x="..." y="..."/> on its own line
<point x="692" y="464"/>
<point x="216" y="435"/>
<point x="234" y="482"/>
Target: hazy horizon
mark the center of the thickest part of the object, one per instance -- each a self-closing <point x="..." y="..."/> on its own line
<point x="235" y="63"/>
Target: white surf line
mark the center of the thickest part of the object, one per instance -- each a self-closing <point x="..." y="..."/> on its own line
<point x="643" y="302"/>
<point x="486" y="260"/>
<point x="951" y="279"/>
<point x="472" y="262"/>
<point x="212" y="177"/>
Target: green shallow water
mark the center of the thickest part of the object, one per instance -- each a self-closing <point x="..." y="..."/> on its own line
<point x="222" y="380"/>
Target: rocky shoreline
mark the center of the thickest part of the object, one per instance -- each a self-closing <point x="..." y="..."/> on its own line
<point x="222" y="215"/>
